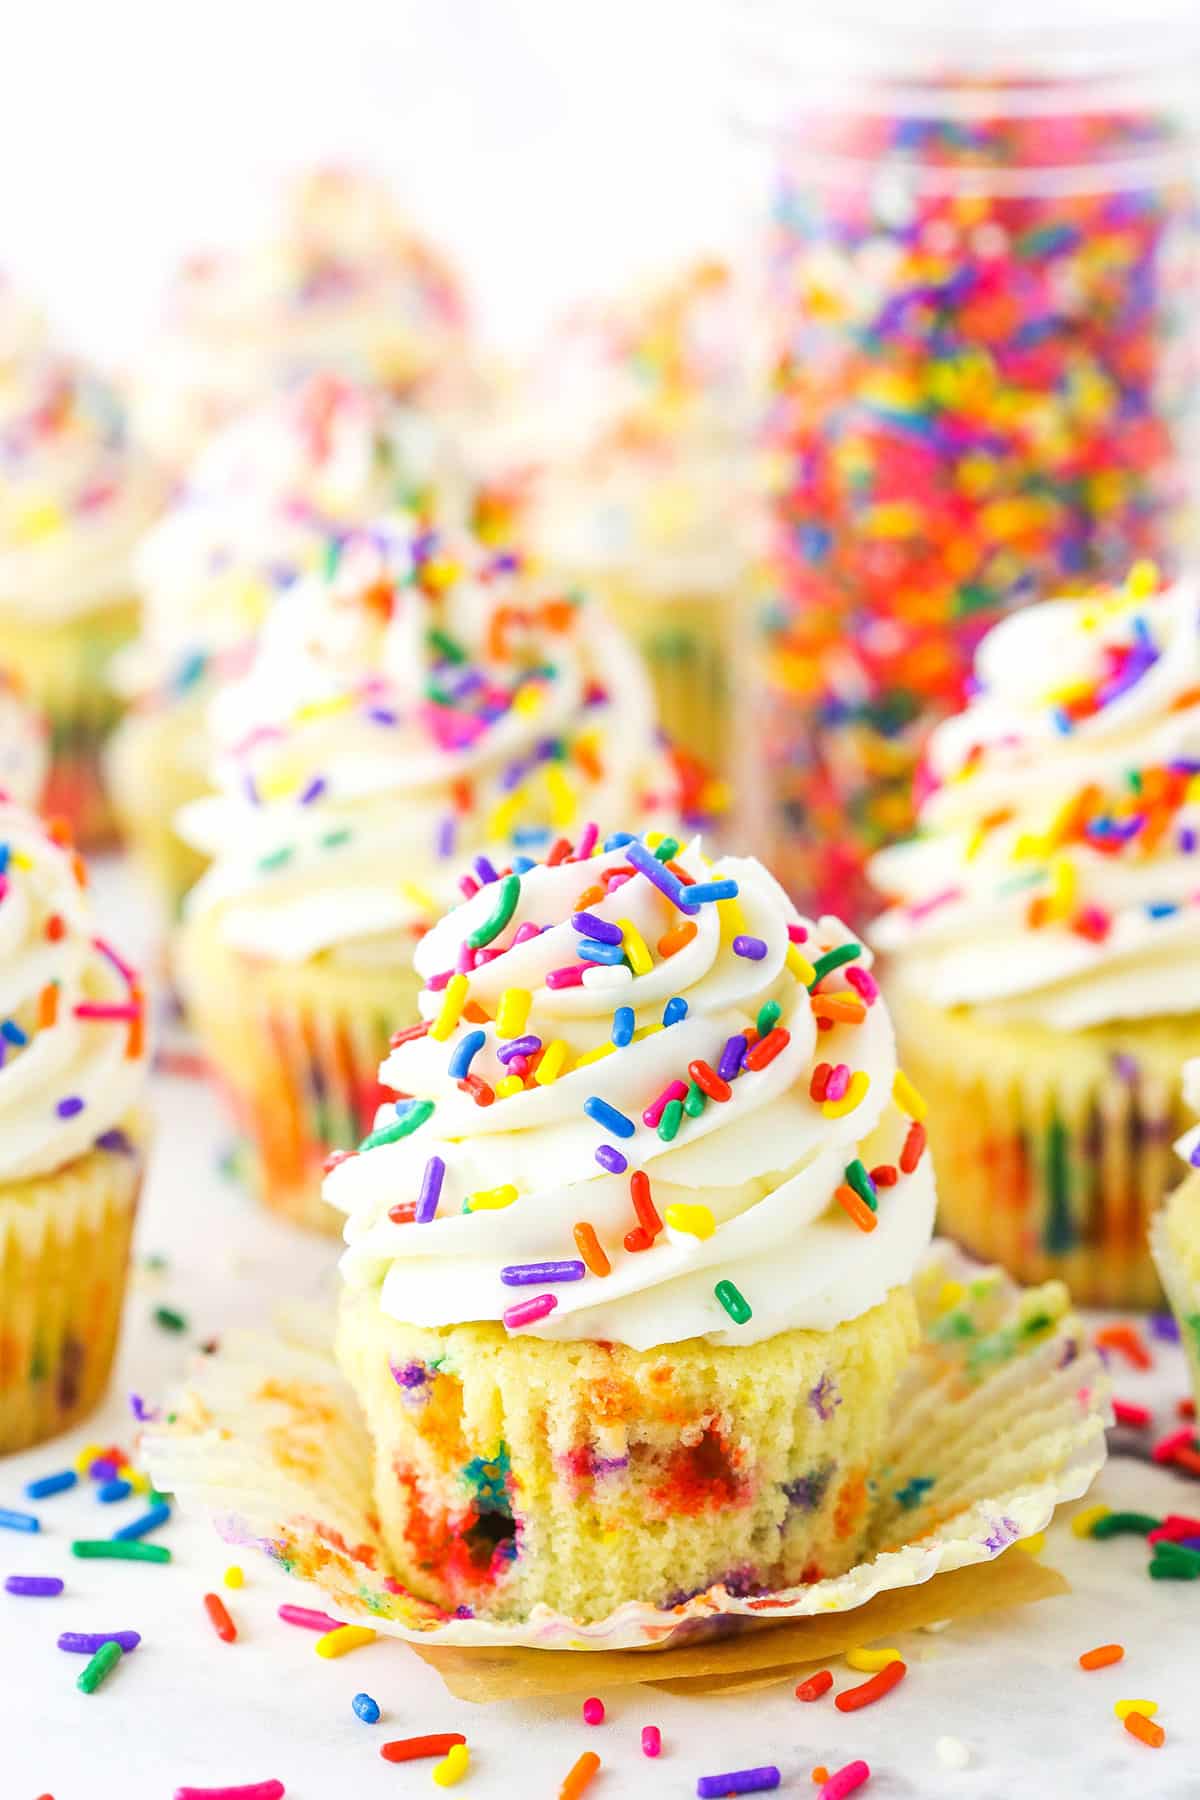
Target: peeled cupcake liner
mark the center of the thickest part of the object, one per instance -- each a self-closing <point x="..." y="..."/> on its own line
<point x="1181" y="1282"/>
<point x="295" y="1050"/>
<point x="1053" y="1150"/>
<point x="999" y="1419"/>
<point x="64" y="1255"/>
<point x="64" y="668"/>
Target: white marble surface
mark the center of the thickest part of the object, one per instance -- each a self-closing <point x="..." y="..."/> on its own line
<point x="186" y="1708"/>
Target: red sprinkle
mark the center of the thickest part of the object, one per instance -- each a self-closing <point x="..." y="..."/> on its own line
<point x="708" y="1081"/>
<point x="413" y="1748"/>
<point x="767" y="1049"/>
<point x="1126" y="1340"/>
<point x="410" y="1033"/>
<point x="403" y="1213"/>
<point x="637" y="1240"/>
<point x="1186" y="1409"/>
<point x="885" y="1175"/>
<point x="1168" y="1448"/>
<point x="914" y="1147"/>
<point x="815" y="1686"/>
<point x="478" y="1089"/>
<point x="223" y="1625"/>
<point x="643" y="1204"/>
<point x="1126" y="1413"/>
<point x="850" y="1699"/>
<point x="1173" y="1527"/>
<point x="820" y="1081"/>
<point x="559" y="852"/>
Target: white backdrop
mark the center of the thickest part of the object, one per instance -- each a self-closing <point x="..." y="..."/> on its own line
<point x="556" y="146"/>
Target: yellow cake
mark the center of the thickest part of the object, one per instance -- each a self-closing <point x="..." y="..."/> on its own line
<point x="1175" y="1236"/>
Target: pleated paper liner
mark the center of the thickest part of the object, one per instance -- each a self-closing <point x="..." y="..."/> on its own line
<point x="1178" y="1264"/>
<point x="999" y="1419"/>
<point x="689" y="641"/>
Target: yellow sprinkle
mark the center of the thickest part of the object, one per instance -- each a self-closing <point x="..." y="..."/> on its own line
<point x="1084" y="1522"/>
<point x="453" y="1001"/>
<point x="493" y="1199"/>
<point x="345" y="1637"/>
<point x="1147" y="1708"/>
<point x="20" y="860"/>
<point x="653" y="839"/>
<point x="800" y="966"/>
<point x="950" y="1295"/>
<point x="1032" y="1546"/>
<point x="1142" y="579"/>
<point x="645" y="1031"/>
<point x="504" y="816"/>
<point x="553" y="1062"/>
<point x="640" y="960"/>
<point x="860" y="1081"/>
<point x="324" y="709"/>
<point x="1063" y="885"/>
<point x="513" y="1011"/>
<point x="529" y="699"/>
<point x="564" y="802"/>
<point x="868" y="1662"/>
<point x="509" y="1085"/>
<point x="234" y="1577"/>
<point x="452" y="1770"/>
<point x="697" y="1221"/>
<point x="906" y="1096"/>
<point x="138" y="1482"/>
<point x="733" y="920"/>
<point x="420" y="897"/>
<point x="591" y="1056"/>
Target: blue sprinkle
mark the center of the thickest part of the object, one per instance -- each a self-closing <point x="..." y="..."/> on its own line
<point x="592" y="951"/>
<point x="12" y="1033"/>
<point x="117" y="1489"/>
<point x="521" y="865"/>
<point x="147" y="1522"/>
<point x="701" y="891"/>
<point x="45" y="1485"/>
<point x="366" y="1708"/>
<point x="464" y="1053"/>
<point x="617" y="1122"/>
<point x="1161" y="909"/>
<point x="624" y="1021"/>
<point x="17" y="1521"/>
<point x="617" y="840"/>
<point x="531" y="834"/>
<point x="1062" y="722"/>
<point x="610" y="1158"/>
<point x="675" y="1010"/>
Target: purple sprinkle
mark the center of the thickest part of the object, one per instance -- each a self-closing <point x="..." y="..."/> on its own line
<point x="590" y="926"/>
<point x="522" y="1046"/>
<point x="145" y="1415"/>
<point x="738" y="1781"/>
<point x="69" y="1107"/>
<point x="610" y="1158"/>
<point x="1187" y="840"/>
<point x="251" y="789"/>
<point x="485" y="870"/>
<point x="382" y="715"/>
<point x="86" y="1643"/>
<point x="431" y="1190"/>
<point x="443" y="842"/>
<point x="313" y="791"/>
<point x="752" y="947"/>
<point x="648" y="865"/>
<point x="35" y="1587"/>
<point x="115" y="1140"/>
<point x="1165" y="1327"/>
<point x="531" y="1274"/>
<point x="731" y="1057"/>
<point x="103" y="1469"/>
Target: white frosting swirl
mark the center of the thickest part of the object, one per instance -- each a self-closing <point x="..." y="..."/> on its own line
<point x="765" y="1161"/>
<point x="343" y="282"/>
<point x="424" y="700"/>
<point x="66" y="1078"/>
<point x="74" y="496"/>
<point x="1056" y="874"/>
<point x="24" y="752"/>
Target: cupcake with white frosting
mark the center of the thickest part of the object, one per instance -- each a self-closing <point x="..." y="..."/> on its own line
<point x="419" y="701"/>
<point x="1175" y="1233"/>
<point x="260" y="507"/>
<point x="1044" y="938"/>
<point x="341" y="282"/>
<point x="74" y="499"/>
<point x="72" y="1074"/>
<point x="629" y="1262"/>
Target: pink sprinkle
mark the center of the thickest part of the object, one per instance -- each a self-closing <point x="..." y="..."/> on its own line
<point x="3" y="886"/>
<point x="674" y="1090"/>
<point x="1166" y="1448"/>
<point x="523" y="933"/>
<point x="617" y="878"/>
<point x="528" y="1312"/>
<point x="486" y="956"/>
<point x="518" y="1065"/>
<point x="257" y="1790"/>
<point x="468" y="885"/>
<point x="96" y="1009"/>
<point x="308" y="1618"/>
<point x="863" y="983"/>
<point x="593" y="1711"/>
<point x="464" y="961"/>
<point x="587" y="840"/>
<point x="437" y="982"/>
<point x="839" y="1081"/>
<point x="571" y="977"/>
<point x="921" y="910"/>
<point x="797" y="934"/>
<point x="651" y="1740"/>
<point x="118" y="962"/>
<point x="844" y="1781"/>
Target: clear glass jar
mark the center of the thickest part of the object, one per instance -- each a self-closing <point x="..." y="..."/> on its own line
<point x="981" y="295"/>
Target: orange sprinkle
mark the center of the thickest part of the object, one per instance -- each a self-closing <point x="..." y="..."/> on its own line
<point x="1140" y="1727"/>
<point x="588" y="761"/>
<point x="856" y="1207"/>
<point x="671" y="942"/>
<point x="79" y="870"/>
<point x="474" y="1014"/>
<point x="48" y="1006"/>
<point x="58" y="830"/>
<point x="836" y="1009"/>
<point x="56" y="925"/>
<point x="582" y="1774"/>
<point x="591" y="1249"/>
<point x="1102" y="1656"/>
<point x="135" y="1043"/>
<point x="589" y="897"/>
<point x="1127" y="1340"/>
<point x="820" y="1775"/>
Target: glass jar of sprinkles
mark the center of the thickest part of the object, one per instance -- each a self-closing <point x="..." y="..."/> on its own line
<point x="981" y="292"/>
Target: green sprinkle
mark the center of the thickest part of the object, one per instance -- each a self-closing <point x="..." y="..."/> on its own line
<point x="493" y="925"/>
<point x="696" y="1101"/>
<point x="857" y="1178"/>
<point x="734" y="1302"/>
<point x="120" y="1550"/>
<point x="834" y="959"/>
<point x="768" y="1017"/>
<point x="404" y="1127"/>
<point x="1126" y="1524"/>
<point x="102" y="1664"/>
<point x="1174" y="1567"/>
<point x="275" y="859"/>
<point x="446" y="646"/>
<point x="333" y="840"/>
<point x="668" y="1125"/>
<point x="667" y="849"/>
<point x="169" y="1319"/>
<point x="333" y="555"/>
<point x="1167" y="1551"/>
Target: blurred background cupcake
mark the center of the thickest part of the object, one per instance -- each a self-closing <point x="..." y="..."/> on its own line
<point x="23" y="747"/>
<point x="656" y="1290"/>
<point x="625" y="444"/>
<point x="1175" y="1234"/>
<point x="72" y="1071"/>
<point x="74" y="499"/>
<point x="342" y="282"/>
<point x="1044" y="937"/>
<point x="263" y="503"/>
<point x="419" y="701"/>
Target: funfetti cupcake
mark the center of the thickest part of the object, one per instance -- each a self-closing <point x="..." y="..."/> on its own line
<point x="626" y="444"/>
<point x="340" y="281"/>
<point x="72" y="1074"/>
<point x="1044" y="937"/>
<point x="74" y="499"/>
<point x="1175" y="1234"/>
<point x="23" y="746"/>
<point x="419" y="702"/>
<point x="627" y="1286"/>
<point x="262" y="504"/>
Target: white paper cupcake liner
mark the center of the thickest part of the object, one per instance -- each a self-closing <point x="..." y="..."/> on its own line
<point x="1000" y="1418"/>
